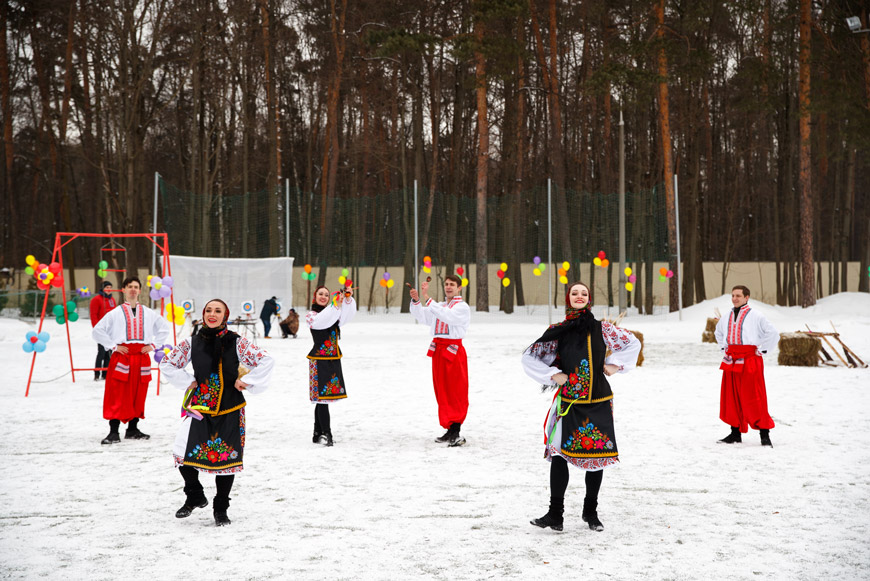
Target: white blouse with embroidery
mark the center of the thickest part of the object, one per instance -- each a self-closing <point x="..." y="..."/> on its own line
<point x="254" y="358"/>
<point x="624" y="347"/>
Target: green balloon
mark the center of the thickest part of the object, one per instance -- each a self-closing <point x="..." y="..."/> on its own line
<point x="542" y="267"/>
<point x="103" y="265"/>
<point x="311" y="276"/>
<point x="29" y="270"/>
<point x="57" y="310"/>
<point x="73" y="317"/>
<point x="70" y="306"/>
<point x="60" y="320"/>
<point x="101" y="273"/>
<point x="304" y="275"/>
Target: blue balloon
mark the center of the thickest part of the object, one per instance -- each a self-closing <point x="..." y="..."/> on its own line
<point x="44" y="336"/>
<point x="27" y="346"/>
<point x="30" y="335"/>
<point x="39" y="346"/>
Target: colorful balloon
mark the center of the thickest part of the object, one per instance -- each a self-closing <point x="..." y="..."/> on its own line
<point x="383" y="282"/>
<point x="627" y="271"/>
<point x="596" y="261"/>
<point x="503" y="266"/>
<point x="390" y="283"/>
<point x="563" y="279"/>
<point x="566" y="265"/>
<point x="629" y="287"/>
<point x="537" y="272"/>
<point x="605" y="263"/>
<point x="602" y="255"/>
<point x="30" y="260"/>
<point x="500" y="274"/>
<point x="632" y="278"/>
<point x="537" y="260"/>
<point x="307" y="268"/>
<point x="464" y="282"/>
<point x="505" y="282"/>
<point x="460" y="271"/>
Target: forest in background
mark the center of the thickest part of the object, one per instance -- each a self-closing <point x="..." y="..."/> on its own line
<point x="762" y="108"/>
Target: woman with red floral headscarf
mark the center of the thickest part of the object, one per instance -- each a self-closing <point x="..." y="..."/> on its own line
<point x="570" y="357"/>
<point x="211" y="438"/>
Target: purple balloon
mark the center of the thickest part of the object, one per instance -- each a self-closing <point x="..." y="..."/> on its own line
<point x="386" y="276"/>
<point x="537" y="260"/>
<point x="164" y="292"/>
<point x="154" y="294"/>
<point x="167" y="281"/>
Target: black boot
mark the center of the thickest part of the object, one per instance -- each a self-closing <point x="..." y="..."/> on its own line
<point x="188" y="506"/>
<point x="456" y="439"/>
<point x="554" y="516"/>
<point x="328" y="435"/>
<point x="590" y="514"/>
<point x="765" y="438"/>
<point x="133" y="432"/>
<point x="114" y="437"/>
<point x="315" y="439"/>
<point x="221" y="504"/>
<point x="451" y="434"/>
<point x="733" y="437"/>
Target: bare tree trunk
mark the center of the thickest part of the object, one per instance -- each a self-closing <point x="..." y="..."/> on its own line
<point x="808" y="296"/>
<point x="665" y="124"/>
<point x="8" y="142"/>
<point x="482" y="170"/>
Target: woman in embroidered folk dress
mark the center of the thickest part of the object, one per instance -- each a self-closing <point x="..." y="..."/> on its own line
<point x="579" y="427"/>
<point x="325" y="380"/>
<point x="211" y="438"/>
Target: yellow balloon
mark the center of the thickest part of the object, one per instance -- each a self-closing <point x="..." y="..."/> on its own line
<point x="596" y="261"/>
<point x="341" y="280"/>
<point x="505" y="282"/>
<point x="563" y="279"/>
<point x="627" y="271"/>
<point x="503" y="266"/>
<point x="390" y="283"/>
<point x="427" y="270"/>
<point x="537" y="272"/>
<point x="30" y="260"/>
<point x="629" y="286"/>
<point x="464" y="282"/>
<point x="566" y="265"/>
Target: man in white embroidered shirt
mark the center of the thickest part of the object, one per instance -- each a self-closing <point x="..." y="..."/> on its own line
<point x="133" y="331"/>
<point x="744" y="335"/>
<point x="448" y="322"/>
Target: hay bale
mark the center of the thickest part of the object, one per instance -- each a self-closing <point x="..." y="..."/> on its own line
<point x="639" y="336"/>
<point x="709" y="334"/>
<point x="799" y="349"/>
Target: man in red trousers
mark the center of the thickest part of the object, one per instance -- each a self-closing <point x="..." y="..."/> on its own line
<point x="448" y="322"/>
<point x="132" y="331"/>
<point x="744" y="335"/>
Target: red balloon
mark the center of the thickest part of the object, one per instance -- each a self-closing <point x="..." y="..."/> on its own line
<point x="41" y="267"/>
<point x="460" y="270"/>
<point x="601" y="254"/>
<point x="500" y="273"/>
<point x="57" y="281"/>
<point x="54" y="267"/>
<point x="34" y="339"/>
<point x="348" y="283"/>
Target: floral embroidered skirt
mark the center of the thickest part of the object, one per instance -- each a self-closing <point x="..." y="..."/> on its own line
<point x="325" y="380"/>
<point x="584" y="436"/>
<point x="214" y="444"/>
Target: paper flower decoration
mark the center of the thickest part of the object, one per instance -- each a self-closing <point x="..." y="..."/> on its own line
<point x="35" y="342"/>
<point x="175" y="314"/>
<point x="71" y="313"/>
<point x="162" y="352"/>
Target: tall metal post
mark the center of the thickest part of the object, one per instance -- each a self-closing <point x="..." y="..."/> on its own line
<point x="154" y="225"/>
<point x="416" y="248"/>
<point x="550" y="249"/>
<point x="679" y="262"/>
<point x="623" y="297"/>
<point x="287" y="217"/>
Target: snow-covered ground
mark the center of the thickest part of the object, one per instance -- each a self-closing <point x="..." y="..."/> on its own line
<point x="387" y="502"/>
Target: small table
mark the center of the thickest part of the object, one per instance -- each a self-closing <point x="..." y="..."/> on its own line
<point x="245" y="326"/>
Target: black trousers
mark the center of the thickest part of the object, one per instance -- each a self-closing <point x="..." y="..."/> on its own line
<point x="559" y="479"/>
<point x="321" y="418"/>
<point x="103" y="357"/>
<point x="195" y="493"/>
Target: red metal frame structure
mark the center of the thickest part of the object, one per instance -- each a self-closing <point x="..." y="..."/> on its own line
<point x="161" y="241"/>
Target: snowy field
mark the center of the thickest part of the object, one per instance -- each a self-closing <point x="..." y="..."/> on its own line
<point x="387" y="502"/>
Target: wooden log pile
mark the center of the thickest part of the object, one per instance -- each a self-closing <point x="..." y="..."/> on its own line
<point x="709" y="334"/>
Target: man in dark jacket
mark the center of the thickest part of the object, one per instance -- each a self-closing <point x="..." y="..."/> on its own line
<point x="270" y="307"/>
<point x="102" y="303"/>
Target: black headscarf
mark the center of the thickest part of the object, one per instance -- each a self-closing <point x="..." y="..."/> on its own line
<point x="216" y="338"/>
